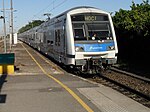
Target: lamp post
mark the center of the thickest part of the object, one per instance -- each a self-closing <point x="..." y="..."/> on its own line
<point x="12" y="34"/>
<point x="5" y="49"/>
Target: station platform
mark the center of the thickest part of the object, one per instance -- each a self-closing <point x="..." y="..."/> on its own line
<point x="39" y="85"/>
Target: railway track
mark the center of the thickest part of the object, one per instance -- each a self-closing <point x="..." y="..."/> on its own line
<point x="135" y="87"/>
<point x="131" y="74"/>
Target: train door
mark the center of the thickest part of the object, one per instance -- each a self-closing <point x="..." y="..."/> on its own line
<point x="57" y="44"/>
<point x="44" y="45"/>
<point x="50" y="40"/>
<point x="57" y="36"/>
<point x="63" y="44"/>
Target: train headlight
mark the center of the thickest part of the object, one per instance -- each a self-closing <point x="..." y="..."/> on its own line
<point x="111" y="47"/>
<point x="109" y="38"/>
<point x="79" y="49"/>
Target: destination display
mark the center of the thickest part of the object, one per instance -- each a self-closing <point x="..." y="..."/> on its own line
<point x="89" y="17"/>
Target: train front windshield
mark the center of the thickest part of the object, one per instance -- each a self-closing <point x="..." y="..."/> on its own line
<point x="91" y="26"/>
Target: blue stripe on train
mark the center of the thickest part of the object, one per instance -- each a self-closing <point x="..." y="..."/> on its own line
<point x="98" y="47"/>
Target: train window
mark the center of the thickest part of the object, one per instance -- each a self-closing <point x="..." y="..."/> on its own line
<point x="44" y="37"/>
<point x="51" y="42"/>
<point x="48" y="41"/>
<point x="97" y="26"/>
<point x="78" y="34"/>
<point x="86" y="25"/>
<point x="78" y="25"/>
<point x="100" y="35"/>
<point x="101" y="30"/>
<point x="40" y="36"/>
<point x="57" y="37"/>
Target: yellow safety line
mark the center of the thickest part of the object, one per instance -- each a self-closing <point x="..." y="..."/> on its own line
<point x="63" y="85"/>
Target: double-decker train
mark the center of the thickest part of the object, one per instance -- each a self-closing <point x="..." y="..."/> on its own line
<point x="82" y="38"/>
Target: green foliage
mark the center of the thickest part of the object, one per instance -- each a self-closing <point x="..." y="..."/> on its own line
<point x="30" y="25"/>
<point x="135" y="20"/>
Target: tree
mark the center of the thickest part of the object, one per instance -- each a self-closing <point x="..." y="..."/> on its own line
<point x="133" y="33"/>
<point x="30" y="25"/>
<point x="135" y="20"/>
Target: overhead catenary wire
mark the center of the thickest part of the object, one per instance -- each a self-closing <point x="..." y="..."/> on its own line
<point x="53" y="7"/>
<point x="52" y="3"/>
<point x="58" y="5"/>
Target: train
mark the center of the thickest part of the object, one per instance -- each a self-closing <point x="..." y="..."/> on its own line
<point x="81" y="38"/>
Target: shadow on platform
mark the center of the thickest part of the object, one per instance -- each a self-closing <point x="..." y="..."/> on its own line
<point x="2" y="81"/>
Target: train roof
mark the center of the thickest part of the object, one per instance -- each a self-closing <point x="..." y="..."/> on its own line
<point x="80" y="7"/>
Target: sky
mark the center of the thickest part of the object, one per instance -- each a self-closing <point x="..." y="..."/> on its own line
<point x="28" y="10"/>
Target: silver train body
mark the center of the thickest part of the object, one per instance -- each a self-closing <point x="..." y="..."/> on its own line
<point x="82" y="37"/>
